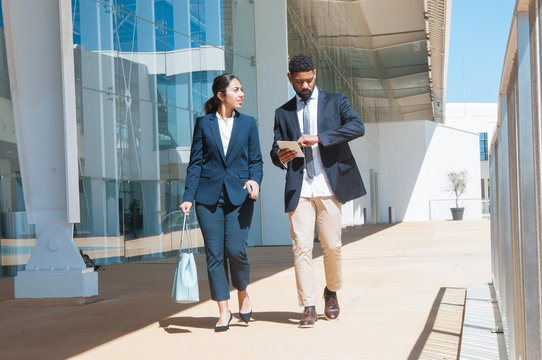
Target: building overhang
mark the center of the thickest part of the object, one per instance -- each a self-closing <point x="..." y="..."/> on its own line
<point x="388" y="56"/>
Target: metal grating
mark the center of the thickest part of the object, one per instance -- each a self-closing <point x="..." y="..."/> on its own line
<point x="483" y="334"/>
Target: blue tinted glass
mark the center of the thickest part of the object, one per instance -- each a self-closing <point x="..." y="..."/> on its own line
<point x="179" y="127"/>
<point x="178" y="91"/>
<point x="196" y="91"/>
<point x="213" y="33"/>
<point x="221" y="23"/>
<point x="128" y="6"/>
<point x="159" y="13"/>
<point x="178" y="21"/>
<point x="483" y="146"/>
<point x="126" y="36"/>
<point x="76" y="22"/>
<point x="160" y="21"/>
<point x="161" y="91"/>
<point x="137" y="35"/>
<point x="197" y="22"/>
<point x="94" y="26"/>
<point x="161" y="38"/>
<point x="202" y="83"/>
<point x="165" y="139"/>
<point x="5" y="91"/>
<point x="140" y="89"/>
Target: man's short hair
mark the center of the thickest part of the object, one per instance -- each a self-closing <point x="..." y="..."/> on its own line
<point x="300" y="63"/>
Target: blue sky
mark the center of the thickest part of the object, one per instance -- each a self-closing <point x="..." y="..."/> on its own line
<point x="478" y="37"/>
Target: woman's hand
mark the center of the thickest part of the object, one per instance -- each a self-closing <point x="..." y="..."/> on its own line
<point x="185" y="207"/>
<point x="253" y="189"/>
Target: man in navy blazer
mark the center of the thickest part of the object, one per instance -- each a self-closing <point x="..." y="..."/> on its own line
<point x="317" y="184"/>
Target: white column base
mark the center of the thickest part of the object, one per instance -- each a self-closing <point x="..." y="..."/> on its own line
<point x="56" y="283"/>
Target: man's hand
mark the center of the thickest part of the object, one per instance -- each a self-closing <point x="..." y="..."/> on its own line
<point x="286" y="155"/>
<point x="253" y="189"/>
<point x="308" y="140"/>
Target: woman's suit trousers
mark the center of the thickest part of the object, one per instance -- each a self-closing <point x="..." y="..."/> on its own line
<point x="225" y="230"/>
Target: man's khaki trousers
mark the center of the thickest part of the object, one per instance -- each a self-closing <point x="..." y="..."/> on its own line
<point x="326" y="212"/>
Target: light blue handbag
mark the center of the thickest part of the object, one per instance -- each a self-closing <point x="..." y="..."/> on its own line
<point x="185" y="284"/>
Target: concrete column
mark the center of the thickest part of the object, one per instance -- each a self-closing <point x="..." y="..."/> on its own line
<point x="271" y="59"/>
<point x="41" y="69"/>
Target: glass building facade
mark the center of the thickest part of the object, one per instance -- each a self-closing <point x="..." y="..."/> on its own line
<point x="143" y="70"/>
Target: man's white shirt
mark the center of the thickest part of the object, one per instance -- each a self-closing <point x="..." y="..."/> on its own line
<point x="319" y="185"/>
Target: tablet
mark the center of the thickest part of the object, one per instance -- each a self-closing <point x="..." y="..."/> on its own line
<point x="292" y="145"/>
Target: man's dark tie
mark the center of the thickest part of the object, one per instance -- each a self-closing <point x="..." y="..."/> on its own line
<point x="307" y="130"/>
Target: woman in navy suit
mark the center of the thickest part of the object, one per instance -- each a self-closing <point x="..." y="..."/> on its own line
<point x="223" y="178"/>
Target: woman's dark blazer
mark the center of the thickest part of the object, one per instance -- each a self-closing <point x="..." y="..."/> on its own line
<point x="209" y="167"/>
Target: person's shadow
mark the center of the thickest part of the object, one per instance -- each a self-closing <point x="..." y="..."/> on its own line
<point x="178" y="325"/>
<point x="280" y="317"/>
<point x="181" y="324"/>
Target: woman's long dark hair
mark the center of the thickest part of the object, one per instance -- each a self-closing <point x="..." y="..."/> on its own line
<point x="220" y="83"/>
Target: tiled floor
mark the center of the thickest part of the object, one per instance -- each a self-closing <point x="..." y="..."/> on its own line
<point x="401" y="298"/>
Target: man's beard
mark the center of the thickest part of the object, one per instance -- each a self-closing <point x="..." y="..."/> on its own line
<point x="305" y="96"/>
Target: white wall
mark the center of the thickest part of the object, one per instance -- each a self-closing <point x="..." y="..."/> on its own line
<point x="415" y="157"/>
<point x="366" y="153"/>
<point x="474" y="117"/>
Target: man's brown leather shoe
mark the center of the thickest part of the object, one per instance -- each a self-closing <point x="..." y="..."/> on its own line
<point x="332" y="308"/>
<point x="309" y="317"/>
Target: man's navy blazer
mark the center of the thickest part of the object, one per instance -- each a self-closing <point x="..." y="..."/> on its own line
<point x="209" y="167"/>
<point x="338" y="123"/>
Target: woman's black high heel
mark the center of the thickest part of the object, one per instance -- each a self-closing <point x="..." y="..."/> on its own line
<point x="224" y="327"/>
<point x="246" y="316"/>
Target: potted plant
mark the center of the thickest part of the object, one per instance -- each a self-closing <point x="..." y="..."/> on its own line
<point x="458" y="184"/>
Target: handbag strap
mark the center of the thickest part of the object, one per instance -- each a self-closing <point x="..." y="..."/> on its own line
<point x="185" y="231"/>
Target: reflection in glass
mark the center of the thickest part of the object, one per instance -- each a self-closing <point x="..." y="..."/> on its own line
<point x="137" y="111"/>
<point x="16" y="235"/>
<point x="4" y="79"/>
<point x="143" y="71"/>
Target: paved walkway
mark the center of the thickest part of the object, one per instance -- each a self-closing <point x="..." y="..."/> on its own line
<point x="403" y="299"/>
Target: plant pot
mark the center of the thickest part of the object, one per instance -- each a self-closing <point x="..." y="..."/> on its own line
<point x="457" y="213"/>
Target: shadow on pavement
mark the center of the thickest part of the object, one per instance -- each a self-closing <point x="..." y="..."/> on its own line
<point x="135" y="295"/>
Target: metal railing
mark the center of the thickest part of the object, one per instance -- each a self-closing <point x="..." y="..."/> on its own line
<point x="439" y="209"/>
<point x="515" y="173"/>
